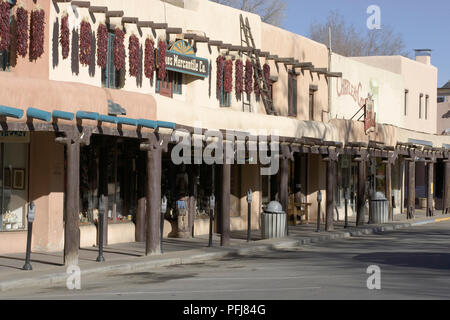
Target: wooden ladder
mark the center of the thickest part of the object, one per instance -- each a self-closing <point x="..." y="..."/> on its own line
<point x="265" y="93"/>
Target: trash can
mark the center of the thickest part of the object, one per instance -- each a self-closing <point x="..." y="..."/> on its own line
<point x="379" y="209"/>
<point x="274" y="221"/>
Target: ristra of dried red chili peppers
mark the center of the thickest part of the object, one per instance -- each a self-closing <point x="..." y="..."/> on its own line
<point x="266" y="72"/>
<point x="255" y="85"/>
<point x="37" y="22"/>
<point x="22" y="31"/>
<point x="162" y="47"/>
<point x="5" y="32"/>
<point x="102" y="45"/>
<point x="228" y="81"/>
<point x="239" y="73"/>
<point x="248" y="77"/>
<point x="219" y="62"/>
<point x="133" y="55"/>
<point x="119" y="50"/>
<point x="85" y="43"/>
<point x="149" y="59"/>
<point x="64" y="37"/>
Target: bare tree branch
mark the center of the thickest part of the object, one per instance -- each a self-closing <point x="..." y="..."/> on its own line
<point x="271" y="11"/>
<point x="346" y="40"/>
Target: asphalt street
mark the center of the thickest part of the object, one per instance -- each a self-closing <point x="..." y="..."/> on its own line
<point x="414" y="264"/>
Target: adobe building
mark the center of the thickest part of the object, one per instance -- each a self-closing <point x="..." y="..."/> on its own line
<point x="94" y="120"/>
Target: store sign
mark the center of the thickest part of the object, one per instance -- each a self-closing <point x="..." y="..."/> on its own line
<point x="370" y="116"/>
<point x="181" y="58"/>
<point x="14" y="137"/>
<point x="345" y="88"/>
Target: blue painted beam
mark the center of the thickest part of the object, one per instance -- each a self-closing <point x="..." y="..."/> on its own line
<point x="127" y="121"/>
<point x="63" y="115"/>
<point x="84" y="115"/>
<point x="39" y="114"/>
<point x="148" y="123"/>
<point x="11" y="112"/>
<point x="167" y="125"/>
<point x="105" y="118"/>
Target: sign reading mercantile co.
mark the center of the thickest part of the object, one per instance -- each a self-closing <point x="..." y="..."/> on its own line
<point x="187" y="64"/>
<point x="181" y="58"/>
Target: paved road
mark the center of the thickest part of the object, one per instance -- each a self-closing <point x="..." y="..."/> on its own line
<point x="415" y="264"/>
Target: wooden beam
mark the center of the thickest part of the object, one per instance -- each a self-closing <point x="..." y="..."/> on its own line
<point x="114" y="14"/>
<point x="215" y="43"/>
<point x="174" y="30"/>
<point x="160" y="26"/>
<point x="98" y="9"/>
<point x="225" y="236"/>
<point x="81" y="4"/>
<point x="145" y="24"/>
<point x="131" y="20"/>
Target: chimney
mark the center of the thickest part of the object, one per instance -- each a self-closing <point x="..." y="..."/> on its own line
<point x="423" y="56"/>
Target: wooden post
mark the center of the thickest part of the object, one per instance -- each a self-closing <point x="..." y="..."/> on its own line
<point x="446" y="198"/>
<point x="388" y="187"/>
<point x="361" y="196"/>
<point x="298" y="188"/>
<point x="430" y="189"/>
<point x="103" y="187"/>
<point x="331" y="182"/>
<point x="72" y="230"/>
<point x="153" y="199"/>
<point x="411" y="181"/>
<point x="225" y="197"/>
<point x="140" y="213"/>
<point x="192" y="198"/>
<point x="284" y="183"/>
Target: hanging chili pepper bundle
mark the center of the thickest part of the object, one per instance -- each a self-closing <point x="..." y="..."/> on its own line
<point x="219" y="62"/>
<point x="85" y="43"/>
<point x="239" y="73"/>
<point x="248" y="77"/>
<point x="37" y="22"/>
<point x="162" y="47"/>
<point x="255" y="85"/>
<point x="119" y="50"/>
<point x="228" y="81"/>
<point x="266" y="72"/>
<point x="102" y="45"/>
<point x="133" y="55"/>
<point x="22" y="30"/>
<point x="5" y="33"/>
<point x="64" y="38"/>
<point x="149" y="60"/>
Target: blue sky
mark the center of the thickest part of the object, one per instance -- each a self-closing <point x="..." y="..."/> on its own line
<point x="423" y="24"/>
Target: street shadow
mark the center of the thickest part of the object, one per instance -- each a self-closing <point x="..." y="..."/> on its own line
<point x="411" y="260"/>
<point x="31" y="261"/>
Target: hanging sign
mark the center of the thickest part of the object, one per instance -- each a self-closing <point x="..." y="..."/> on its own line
<point x="181" y="58"/>
<point x="370" y="116"/>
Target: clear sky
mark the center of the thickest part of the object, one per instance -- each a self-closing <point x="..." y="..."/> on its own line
<point x="423" y="24"/>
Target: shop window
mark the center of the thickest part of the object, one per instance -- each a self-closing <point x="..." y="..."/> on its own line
<point x="111" y="78"/>
<point x="420" y="106"/>
<point x="292" y="94"/>
<point x="311" y="105"/>
<point x="406" y="102"/>
<point x="13" y="184"/>
<point x="170" y="85"/>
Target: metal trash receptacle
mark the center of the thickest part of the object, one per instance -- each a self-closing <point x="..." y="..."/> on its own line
<point x="274" y="221"/>
<point x="379" y="209"/>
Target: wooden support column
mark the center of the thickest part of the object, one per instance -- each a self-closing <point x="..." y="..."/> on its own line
<point x="331" y="184"/>
<point x="411" y="182"/>
<point x="388" y="187"/>
<point x="430" y="189"/>
<point x="446" y="198"/>
<point x="72" y="219"/>
<point x="361" y="194"/>
<point x="140" y="213"/>
<point x="284" y="177"/>
<point x="298" y="188"/>
<point x="103" y="187"/>
<point x="192" y="198"/>
<point x="225" y="237"/>
<point x="153" y="198"/>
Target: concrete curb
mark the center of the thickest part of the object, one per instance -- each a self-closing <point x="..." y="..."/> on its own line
<point x="193" y="256"/>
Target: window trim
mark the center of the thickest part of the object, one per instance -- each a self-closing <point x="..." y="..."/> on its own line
<point x="405" y="101"/>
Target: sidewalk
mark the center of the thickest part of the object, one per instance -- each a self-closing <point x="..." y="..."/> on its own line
<point x="48" y="269"/>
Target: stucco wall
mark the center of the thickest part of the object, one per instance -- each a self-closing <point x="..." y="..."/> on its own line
<point x="290" y="45"/>
<point x="419" y="78"/>
<point x="348" y="93"/>
<point x="443" y="116"/>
